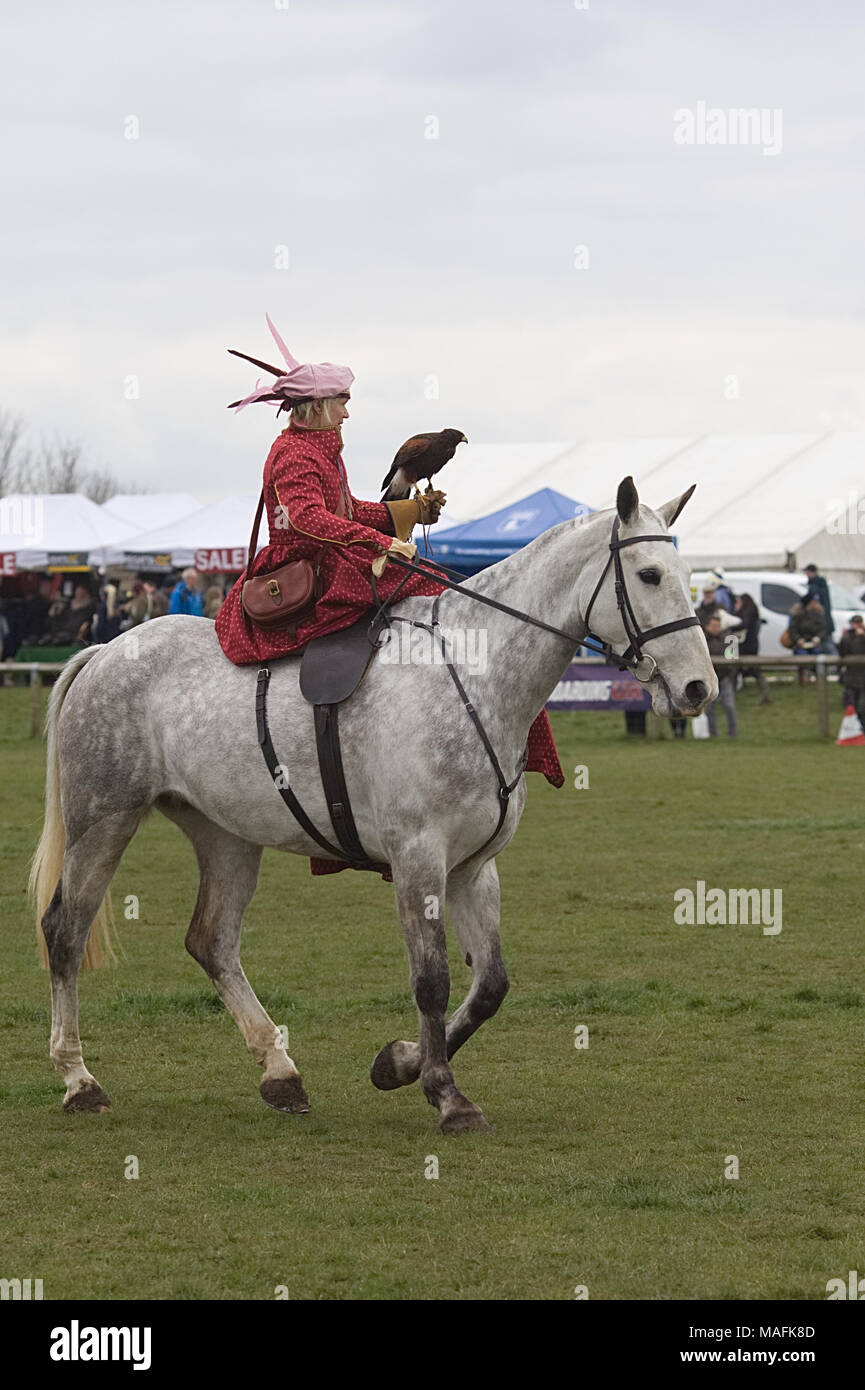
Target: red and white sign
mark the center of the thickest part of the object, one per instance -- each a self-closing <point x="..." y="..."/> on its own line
<point x="7" y="563"/>
<point x="221" y="561"/>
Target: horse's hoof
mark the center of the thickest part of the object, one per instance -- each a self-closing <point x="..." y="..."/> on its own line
<point x="392" y="1068"/>
<point x="285" y="1093"/>
<point x="460" y="1121"/>
<point x="89" y="1098"/>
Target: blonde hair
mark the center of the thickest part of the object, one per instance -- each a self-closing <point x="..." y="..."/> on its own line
<point x="306" y="411"/>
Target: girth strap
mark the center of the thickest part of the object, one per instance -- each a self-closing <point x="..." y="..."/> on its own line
<point x="356" y="854"/>
<point x="505" y="787"/>
<point x="335" y="789"/>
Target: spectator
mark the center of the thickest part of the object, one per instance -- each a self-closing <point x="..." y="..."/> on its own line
<point x="819" y="589"/>
<point x="146" y="602"/>
<point x="717" y="640"/>
<point x="807" y="626"/>
<point x="71" y="623"/>
<point x="853" y="677"/>
<point x="134" y="605"/>
<point x="749" y="644"/>
<point x="213" y="597"/>
<point x="186" y="596"/>
<point x="108" y="616"/>
<point x="159" y="599"/>
<point x="36" y="612"/>
<point x="723" y="592"/>
<point x="807" y="630"/>
<point x="709" y="607"/>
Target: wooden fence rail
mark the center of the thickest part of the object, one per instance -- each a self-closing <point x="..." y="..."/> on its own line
<point x="35" y="671"/>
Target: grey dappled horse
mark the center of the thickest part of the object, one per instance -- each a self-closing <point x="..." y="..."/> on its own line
<point x="161" y="718"/>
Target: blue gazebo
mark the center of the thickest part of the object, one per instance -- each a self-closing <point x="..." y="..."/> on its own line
<point x="476" y="544"/>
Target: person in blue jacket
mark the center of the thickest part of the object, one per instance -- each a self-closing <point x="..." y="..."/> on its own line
<point x="186" y="596"/>
<point x="819" y="589"/>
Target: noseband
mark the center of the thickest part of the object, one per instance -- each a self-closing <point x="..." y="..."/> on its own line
<point x="632" y="657"/>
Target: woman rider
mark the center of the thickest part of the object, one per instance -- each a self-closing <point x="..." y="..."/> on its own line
<point x="305" y="486"/>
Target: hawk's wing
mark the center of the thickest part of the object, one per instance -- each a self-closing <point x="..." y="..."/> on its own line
<point x="413" y="448"/>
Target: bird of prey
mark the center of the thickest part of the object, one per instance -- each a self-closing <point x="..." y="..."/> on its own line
<point x="420" y="457"/>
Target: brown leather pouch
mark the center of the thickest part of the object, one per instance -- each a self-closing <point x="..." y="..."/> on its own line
<point x="286" y="596"/>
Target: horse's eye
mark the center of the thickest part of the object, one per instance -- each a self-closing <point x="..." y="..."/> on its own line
<point x="650" y="576"/>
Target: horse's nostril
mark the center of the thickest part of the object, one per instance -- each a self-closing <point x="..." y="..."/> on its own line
<point x="696" y="692"/>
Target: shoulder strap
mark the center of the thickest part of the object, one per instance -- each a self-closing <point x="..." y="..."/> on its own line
<point x="253" y="540"/>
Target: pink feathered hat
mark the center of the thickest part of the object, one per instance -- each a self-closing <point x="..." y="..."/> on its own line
<point x="304" y="381"/>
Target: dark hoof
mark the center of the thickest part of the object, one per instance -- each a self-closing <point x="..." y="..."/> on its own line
<point x="285" y="1093"/>
<point x="90" y="1099"/>
<point x="389" y="1071"/>
<point x="460" y="1121"/>
<point x="382" y="1073"/>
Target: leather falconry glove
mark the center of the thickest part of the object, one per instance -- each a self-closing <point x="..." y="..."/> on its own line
<point x="430" y="503"/>
<point x="423" y="508"/>
<point x="398" y="547"/>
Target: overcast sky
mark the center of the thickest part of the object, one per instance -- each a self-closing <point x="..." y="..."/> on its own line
<point x="304" y="126"/>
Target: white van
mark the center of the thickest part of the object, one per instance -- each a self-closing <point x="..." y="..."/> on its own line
<point x="775" y="592"/>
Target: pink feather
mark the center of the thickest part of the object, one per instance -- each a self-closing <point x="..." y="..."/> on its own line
<point x="290" y="362"/>
<point x="254" y="395"/>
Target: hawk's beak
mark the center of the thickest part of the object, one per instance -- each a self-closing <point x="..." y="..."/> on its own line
<point x="463" y="439"/>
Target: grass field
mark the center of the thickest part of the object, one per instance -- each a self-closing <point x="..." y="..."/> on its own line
<point x="605" y="1167"/>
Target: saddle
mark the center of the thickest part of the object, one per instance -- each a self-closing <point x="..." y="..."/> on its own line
<point x="333" y="666"/>
<point x="331" y="669"/>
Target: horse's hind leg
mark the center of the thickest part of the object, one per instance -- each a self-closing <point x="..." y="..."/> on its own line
<point x="473" y="901"/>
<point x="420" y="900"/>
<point x="229" y="874"/>
<point x="88" y="867"/>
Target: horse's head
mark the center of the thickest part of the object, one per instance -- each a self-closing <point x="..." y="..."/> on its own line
<point x="645" y="587"/>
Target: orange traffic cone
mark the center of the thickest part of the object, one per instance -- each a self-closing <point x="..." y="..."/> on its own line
<point x="851" y="732"/>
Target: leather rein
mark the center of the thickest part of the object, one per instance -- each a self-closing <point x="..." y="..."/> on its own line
<point x="630" y="659"/>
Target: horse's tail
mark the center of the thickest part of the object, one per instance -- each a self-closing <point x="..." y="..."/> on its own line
<point x="47" y="862"/>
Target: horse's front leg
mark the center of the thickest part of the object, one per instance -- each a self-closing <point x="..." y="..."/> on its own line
<point x="473" y="900"/>
<point x="420" y="895"/>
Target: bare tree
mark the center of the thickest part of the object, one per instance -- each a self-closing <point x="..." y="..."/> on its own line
<point x="58" y="467"/>
<point x="14" y="457"/>
<point x="101" y="484"/>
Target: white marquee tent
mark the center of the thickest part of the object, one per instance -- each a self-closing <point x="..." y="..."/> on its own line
<point x="62" y="529"/>
<point x="212" y="538"/>
<point x="147" y="510"/>
<point x="762" y="502"/>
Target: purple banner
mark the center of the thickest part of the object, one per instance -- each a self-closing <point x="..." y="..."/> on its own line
<point x="599" y="687"/>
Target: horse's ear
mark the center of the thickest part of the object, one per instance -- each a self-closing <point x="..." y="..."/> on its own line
<point x="671" y="510"/>
<point x="627" y="501"/>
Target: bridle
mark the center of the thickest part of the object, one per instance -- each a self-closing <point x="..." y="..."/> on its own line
<point x="631" y="659"/>
<point x="632" y="656"/>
